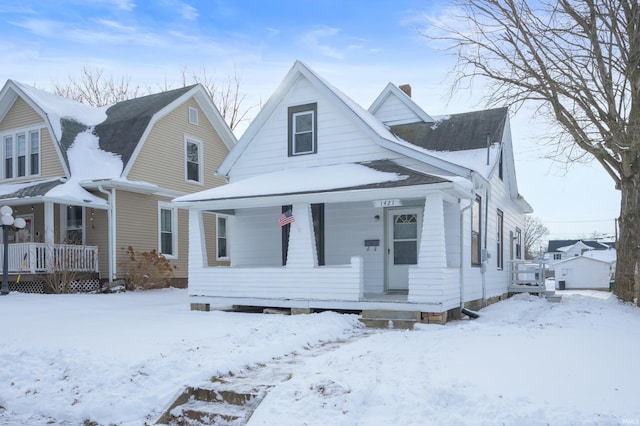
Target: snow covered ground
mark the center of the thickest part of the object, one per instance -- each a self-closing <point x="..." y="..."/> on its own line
<point x="120" y="358"/>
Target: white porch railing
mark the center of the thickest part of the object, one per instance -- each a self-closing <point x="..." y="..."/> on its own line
<point x="526" y="276"/>
<point x="42" y="258"/>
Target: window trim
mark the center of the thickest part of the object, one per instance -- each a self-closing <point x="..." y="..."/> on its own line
<point x="294" y="111"/>
<point x="193" y="116"/>
<point x="28" y="170"/>
<point x="192" y="140"/>
<point x="174" y="229"/>
<point x="226" y="237"/>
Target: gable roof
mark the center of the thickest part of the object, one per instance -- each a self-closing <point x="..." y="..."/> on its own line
<point x="556" y="245"/>
<point x="121" y="128"/>
<point x="127" y="121"/>
<point x="362" y="118"/>
<point x="393" y="90"/>
<point x="456" y="132"/>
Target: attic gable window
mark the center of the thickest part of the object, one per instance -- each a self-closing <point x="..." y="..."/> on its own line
<point x="303" y="134"/>
<point x="193" y="116"/>
<point x="21" y="154"/>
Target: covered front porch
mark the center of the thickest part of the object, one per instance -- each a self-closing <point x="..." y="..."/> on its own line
<point x="395" y="254"/>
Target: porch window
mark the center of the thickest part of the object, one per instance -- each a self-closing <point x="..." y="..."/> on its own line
<point x="21" y="154"/>
<point x="518" y="242"/>
<point x="222" y="238"/>
<point x="193" y="156"/>
<point x="74" y="225"/>
<point x="302" y="135"/>
<point x="167" y="230"/>
<point x="499" y="239"/>
<point x="476" y="240"/>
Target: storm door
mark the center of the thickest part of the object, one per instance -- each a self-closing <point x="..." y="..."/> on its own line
<point x="403" y="241"/>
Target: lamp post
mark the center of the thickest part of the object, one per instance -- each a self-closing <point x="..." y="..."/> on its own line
<point x="7" y="222"/>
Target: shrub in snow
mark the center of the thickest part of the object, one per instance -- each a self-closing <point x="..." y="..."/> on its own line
<point x="146" y="270"/>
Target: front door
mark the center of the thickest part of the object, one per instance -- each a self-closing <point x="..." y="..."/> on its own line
<point x="403" y="237"/>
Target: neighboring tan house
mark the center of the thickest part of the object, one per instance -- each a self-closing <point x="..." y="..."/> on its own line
<point x="392" y="209"/>
<point x="91" y="182"/>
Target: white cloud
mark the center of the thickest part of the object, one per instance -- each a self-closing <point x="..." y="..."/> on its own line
<point x="315" y="41"/>
<point x="188" y="12"/>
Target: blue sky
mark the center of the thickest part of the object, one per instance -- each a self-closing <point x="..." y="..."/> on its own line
<point x="358" y="46"/>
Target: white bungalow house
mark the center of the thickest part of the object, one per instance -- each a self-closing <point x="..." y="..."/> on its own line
<point x="331" y="206"/>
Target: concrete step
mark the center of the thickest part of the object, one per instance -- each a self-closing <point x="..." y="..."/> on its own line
<point x="212" y="405"/>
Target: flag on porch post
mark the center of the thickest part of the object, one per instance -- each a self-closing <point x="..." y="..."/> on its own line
<point x="286" y="218"/>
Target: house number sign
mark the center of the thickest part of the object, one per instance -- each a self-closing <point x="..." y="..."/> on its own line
<point x="387" y="203"/>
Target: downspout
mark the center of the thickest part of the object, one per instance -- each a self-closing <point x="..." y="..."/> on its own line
<point x="110" y="230"/>
<point x="462" y="251"/>
<point x="485" y="258"/>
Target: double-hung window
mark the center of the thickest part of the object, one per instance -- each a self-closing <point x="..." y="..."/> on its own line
<point x="21" y="154"/>
<point x="518" y="238"/>
<point x="303" y="129"/>
<point x="222" y="236"/>
<point x="167" y="231"/>
<point x="193" y="160"/>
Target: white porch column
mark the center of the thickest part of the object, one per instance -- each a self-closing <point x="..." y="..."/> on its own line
<point x="197" y="247"/>
<point x="49" y="223"/>
<point x="302" y="243"/>
<point x="433" y="249"/>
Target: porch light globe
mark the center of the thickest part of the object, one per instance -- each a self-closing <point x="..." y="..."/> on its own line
<point x="6" y="211"/>
<point x="7" y="219"/>
<point x="19" y="223"/>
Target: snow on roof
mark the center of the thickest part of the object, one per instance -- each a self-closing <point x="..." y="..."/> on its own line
<point x="604" y="255"/>
<point x="85" y="154"/>
<point x="57" y="107"/>
<point x="297" y="180"/>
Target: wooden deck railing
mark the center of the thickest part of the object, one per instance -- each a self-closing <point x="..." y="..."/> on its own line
<point x="46" y="258"/>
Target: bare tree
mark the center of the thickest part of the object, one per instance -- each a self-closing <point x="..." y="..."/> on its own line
<point x="578" y="61"/>
<point x="93" y="88"/>
<point x="534" y="231"/>
<point x="227" y="96"/>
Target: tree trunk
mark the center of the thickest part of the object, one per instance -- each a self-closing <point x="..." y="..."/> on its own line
<point x="628" y="245"/>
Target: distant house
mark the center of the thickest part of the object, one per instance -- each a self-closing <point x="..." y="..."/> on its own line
<point x="331" y="206"/>
<point x="585" y="272"/>
<point x="92" y="181"/>
<point x="563" y="249"/>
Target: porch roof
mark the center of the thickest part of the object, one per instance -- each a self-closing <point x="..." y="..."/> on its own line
<point x="56" y="190"/>
<point x="353" y="177"/>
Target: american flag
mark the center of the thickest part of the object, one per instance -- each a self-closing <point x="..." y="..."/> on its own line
<point x="286" y="218"/>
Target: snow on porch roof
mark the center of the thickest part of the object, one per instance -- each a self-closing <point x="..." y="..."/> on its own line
<point x="58" y="190"/>
<point x="339" y="177"/>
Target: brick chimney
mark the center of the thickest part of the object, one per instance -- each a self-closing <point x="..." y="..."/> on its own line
<point x="406" y="88"/>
